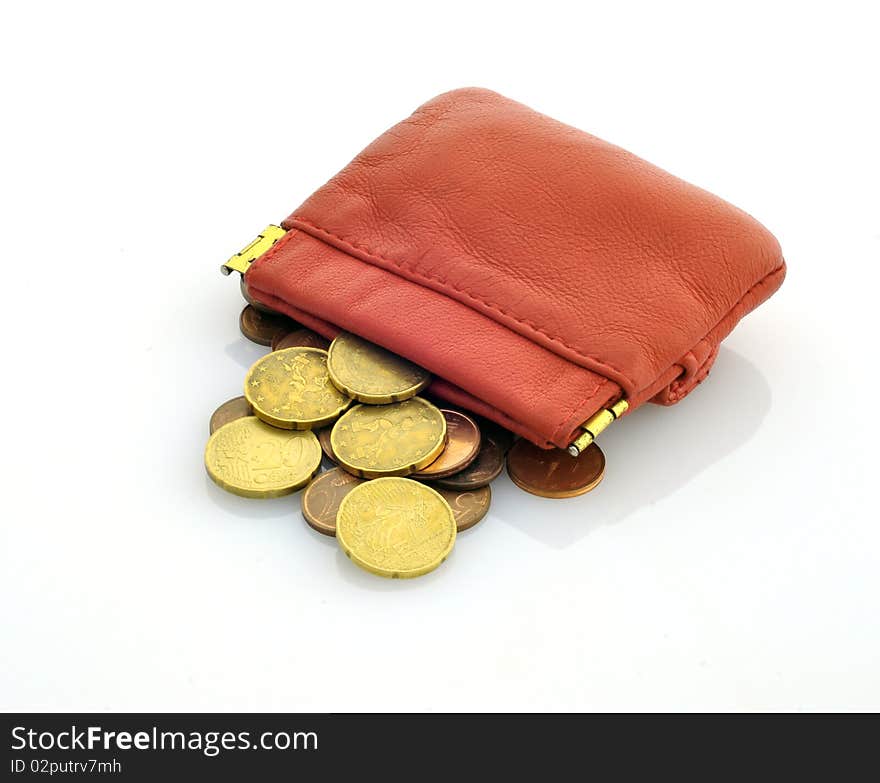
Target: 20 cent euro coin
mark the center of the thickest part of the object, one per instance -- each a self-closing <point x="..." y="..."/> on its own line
<point x="250" y="458"/>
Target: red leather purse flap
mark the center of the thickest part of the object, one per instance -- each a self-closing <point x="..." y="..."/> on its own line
<point x="537" y="268"/>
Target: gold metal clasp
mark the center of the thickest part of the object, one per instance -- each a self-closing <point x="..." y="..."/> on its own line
<point x="245" y="257"/>
<point x="596" y="424"/>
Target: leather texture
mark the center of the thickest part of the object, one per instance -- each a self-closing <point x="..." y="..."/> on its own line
<point x="538" y="271"/>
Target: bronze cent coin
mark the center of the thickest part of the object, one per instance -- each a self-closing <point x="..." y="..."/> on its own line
<point x="481" y="472"/>
<point x="462" y="447"/>
<point x="236" y="408"/>
<point x="260" y="327"/>
<point x="322" y="497"/>
<point x="324" y="439"/>
<point x="246" y="295"/>
<point x="468" y="507"/>
<point x="299" y="338"/>
<point x="554" y="473"/>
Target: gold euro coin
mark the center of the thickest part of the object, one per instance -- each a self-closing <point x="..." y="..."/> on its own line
<point x="371" y="374"/>
<point x="388" y="440"/>
<point x="250" y="458"/>
<point x="395" y="527"/>
<point x="291" y="389"/>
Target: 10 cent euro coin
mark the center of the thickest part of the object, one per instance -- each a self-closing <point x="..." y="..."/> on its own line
<point x="290" y="388"/>
<point x="395" y="527"/>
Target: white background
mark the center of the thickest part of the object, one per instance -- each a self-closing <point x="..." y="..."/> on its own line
<point x="728" y="561"/>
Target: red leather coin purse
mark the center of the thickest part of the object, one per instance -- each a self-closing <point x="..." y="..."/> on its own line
<point x="540" y="273"/>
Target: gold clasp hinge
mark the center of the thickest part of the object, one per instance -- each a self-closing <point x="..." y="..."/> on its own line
<point x="594" y="425"/>
<point x="246" y="256"/>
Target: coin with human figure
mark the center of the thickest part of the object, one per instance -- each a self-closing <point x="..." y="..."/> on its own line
<point x="389" y="440"/>
<point x="395" y="527"/>
<point x="291" y="389"/>
<point x="371" y="374"/>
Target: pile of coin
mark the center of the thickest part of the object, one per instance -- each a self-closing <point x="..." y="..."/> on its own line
<point x="403" y="475"/>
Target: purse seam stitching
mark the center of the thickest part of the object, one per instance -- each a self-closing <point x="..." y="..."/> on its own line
<point x="274" y="251"/>
<point x="491" y="305"/>
<point x="675" y="388"/>
<point x="678" y="390"/>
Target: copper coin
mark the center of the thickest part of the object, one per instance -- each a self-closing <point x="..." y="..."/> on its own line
<point x="246" y="294"/>
<point x="262" y="327"/>
<point x="468" y="507"/>
<point x="236" y="408"/>
<point x="299" y="338"/>
<point x="462" y="447"/>
<point x="481" y="472"/>
<point x="324" y="439"/>
<point x="322" y="497"/>
<point x="554" y="473"/>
